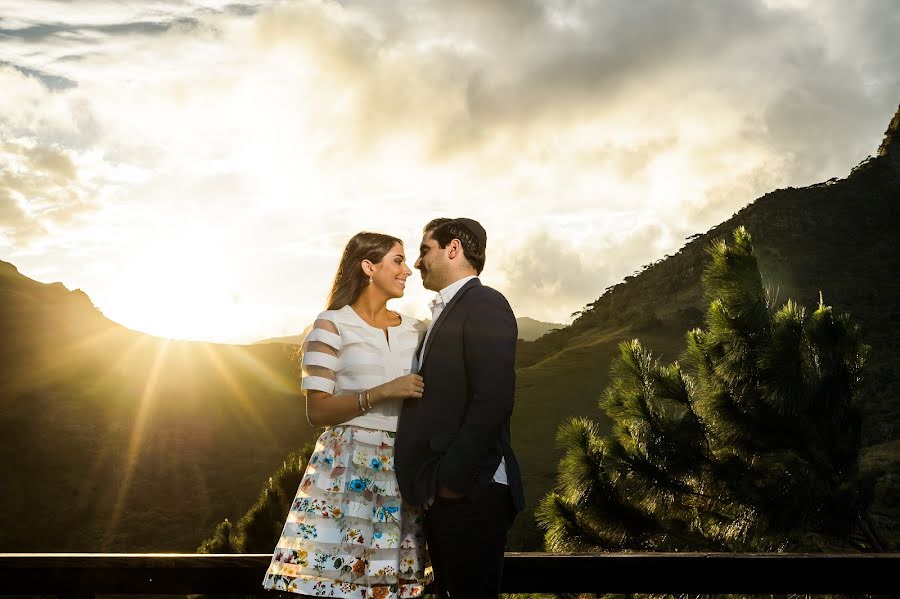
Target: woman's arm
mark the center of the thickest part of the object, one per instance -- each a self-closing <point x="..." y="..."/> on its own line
<point x="321" y="352"/>
<point x="325" y="409"/>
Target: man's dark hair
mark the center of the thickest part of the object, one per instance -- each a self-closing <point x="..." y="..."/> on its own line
<point x="445" y="230"/>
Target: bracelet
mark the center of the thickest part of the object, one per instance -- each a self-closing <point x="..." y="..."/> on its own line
<point x="359" y="401"/>
<point x="368" y="401"/>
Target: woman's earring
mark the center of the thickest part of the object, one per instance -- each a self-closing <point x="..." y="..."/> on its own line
<point x="370" y="280"/>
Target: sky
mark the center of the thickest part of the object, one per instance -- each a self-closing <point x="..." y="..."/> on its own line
<point x="197" y="166"/>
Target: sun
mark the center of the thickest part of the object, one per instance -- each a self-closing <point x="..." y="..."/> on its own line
<point x="178" y="286"/>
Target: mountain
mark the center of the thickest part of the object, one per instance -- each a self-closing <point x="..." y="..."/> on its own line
<point x="531" y="329"/>
<point x="290" y="339"/>
<point x="118" y="441"/>
<point x="837" y="237"/>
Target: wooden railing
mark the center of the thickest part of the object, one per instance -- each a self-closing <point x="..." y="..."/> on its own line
<point x="79" y="575"/>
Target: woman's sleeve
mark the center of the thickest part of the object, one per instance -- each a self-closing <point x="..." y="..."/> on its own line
<point x="321" y="349"/>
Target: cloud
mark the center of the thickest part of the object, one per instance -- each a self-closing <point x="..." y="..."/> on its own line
<point x="40" y="191"/>
<point x="53" y="82"/>
<point x="603" y="134"/>
<point x="546" y="275"/>
<point x="467" y="73"/>
<point x="608" y="87"/>
<point x="550" y="277"/>
<point x="87" y="33"/>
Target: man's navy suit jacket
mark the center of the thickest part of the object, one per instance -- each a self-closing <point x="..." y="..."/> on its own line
<point x="457" y="432"/>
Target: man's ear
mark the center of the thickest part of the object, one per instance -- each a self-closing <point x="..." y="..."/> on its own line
<point x="454" y="248"/>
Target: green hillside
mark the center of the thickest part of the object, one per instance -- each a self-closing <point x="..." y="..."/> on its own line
<point x="118" y="441"/>
<point x="530" y="329"/>
<point x="838" y="237"/>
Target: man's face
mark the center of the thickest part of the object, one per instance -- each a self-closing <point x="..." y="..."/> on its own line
<point x="432" y="263"/>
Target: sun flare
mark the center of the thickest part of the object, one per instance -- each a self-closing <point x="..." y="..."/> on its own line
<point x="178" y="287"/>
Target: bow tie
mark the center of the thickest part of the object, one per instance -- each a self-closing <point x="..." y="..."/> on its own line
<point x="437" y="302"/>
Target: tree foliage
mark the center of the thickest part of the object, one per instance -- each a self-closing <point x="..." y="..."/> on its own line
<point x="749" y="443"/>
<point x="259" y="528"/>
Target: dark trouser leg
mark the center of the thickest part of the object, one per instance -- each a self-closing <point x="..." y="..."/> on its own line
<point x="466" y="539"/>
<point x="436" y="555"/>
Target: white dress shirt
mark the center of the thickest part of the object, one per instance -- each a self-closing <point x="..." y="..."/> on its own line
<point x="440" y="300"/>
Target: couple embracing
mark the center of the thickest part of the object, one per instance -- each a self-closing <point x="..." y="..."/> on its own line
<point x="417" y="451"/>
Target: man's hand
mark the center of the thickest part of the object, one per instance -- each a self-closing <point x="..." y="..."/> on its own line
<point x="448" y="493"/>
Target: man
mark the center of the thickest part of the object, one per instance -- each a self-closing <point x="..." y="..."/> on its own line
<point x="453" y="447"/>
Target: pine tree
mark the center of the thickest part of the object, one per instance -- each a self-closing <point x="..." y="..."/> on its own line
<point x="221" y="540"/>
<point x="751" y="443"/>
<point x="259" y="528"/>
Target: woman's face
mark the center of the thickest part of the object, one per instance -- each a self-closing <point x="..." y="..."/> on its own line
<point x="391" y="273"/>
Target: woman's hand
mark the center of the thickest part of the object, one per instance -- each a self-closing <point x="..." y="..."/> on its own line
<point x="404" y="387"/>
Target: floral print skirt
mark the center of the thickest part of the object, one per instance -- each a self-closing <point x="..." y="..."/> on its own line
<point x="348" y="534"/>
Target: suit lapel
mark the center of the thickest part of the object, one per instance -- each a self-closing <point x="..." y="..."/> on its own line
<point x="444" y="314"/>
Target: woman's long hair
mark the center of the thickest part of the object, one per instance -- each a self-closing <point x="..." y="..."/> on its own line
<point x="350" y="280"/>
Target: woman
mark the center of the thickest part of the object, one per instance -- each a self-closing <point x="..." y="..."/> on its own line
<point x="348" y="533"/>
